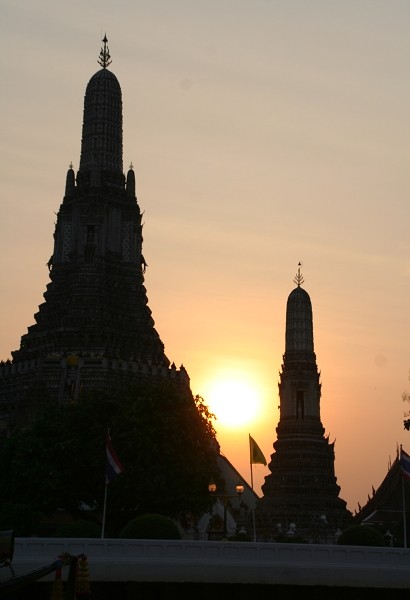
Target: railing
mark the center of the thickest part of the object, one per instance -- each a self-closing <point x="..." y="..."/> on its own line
<point x="7" y="549"/>
<point x="120" y="560"/>
<point x="77" y="581"/>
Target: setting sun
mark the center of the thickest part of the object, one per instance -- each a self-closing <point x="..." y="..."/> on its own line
<point x="234" y="401"/>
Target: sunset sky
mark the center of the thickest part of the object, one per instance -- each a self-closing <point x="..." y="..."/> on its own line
<point x="262" y="133"/>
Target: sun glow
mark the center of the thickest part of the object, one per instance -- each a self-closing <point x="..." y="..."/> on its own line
<point x="235" y="401"/>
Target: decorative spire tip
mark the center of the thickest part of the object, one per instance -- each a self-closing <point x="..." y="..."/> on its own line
<point x="105" y="58"/>
<point x="299" y="277"/>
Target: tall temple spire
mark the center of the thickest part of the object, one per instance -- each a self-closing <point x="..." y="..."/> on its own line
<point x="301" y="486"/>
<point x="102" y="137"/>
<point x="95" y="305"/>
<point x="299" y="323"/>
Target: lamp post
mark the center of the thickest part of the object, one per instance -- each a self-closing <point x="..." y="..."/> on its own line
<point x="225" y="497"/>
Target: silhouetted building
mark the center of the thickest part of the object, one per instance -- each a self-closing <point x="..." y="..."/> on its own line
<point x="94" y="329"/>
<point x="300" y="495"/>
<point x="388" y="507"/>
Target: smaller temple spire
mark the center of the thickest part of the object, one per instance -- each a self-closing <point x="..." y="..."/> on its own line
<point x="70" y="181"/>
<point x="299" y="277"/>
<point x="105" y="58"/>
<point x="131" y="182"/>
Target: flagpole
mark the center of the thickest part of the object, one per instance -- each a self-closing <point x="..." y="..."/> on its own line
<point x="255" y="456"/>
<point x="253" y="508"/>
<point x="404" y="514"/>
<point x="113" y="467"/>
<point x="105" y="490"/>
<point x="104" y="510"/>
<point x="404" y="503"/>
<point x="250" y="462"/>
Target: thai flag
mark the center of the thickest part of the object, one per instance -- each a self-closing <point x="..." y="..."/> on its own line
<point x="113" y="465"/>
<point x="405" y="464"/>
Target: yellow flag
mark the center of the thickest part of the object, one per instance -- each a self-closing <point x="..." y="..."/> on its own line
<point x="256" y="453"/>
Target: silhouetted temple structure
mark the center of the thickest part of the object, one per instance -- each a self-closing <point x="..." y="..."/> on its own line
<point x="94" y="329"/>
<point x="300" y="495"/>
<point x="388" y="507"/>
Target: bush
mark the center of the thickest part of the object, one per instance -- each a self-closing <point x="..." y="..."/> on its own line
<point x="78" y="528"/>
<point x="361" y="535"/>
<point x="19" y="517"/>
<point x="241" y="536"/>
<point x="151" y="527"/>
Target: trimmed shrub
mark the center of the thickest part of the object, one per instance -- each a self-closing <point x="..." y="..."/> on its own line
<point x="151" y="527"/>
<point x="361" y="535"/>
<point x="78" y="528"/>
<point x="241" y="536"/>
<point x="18" y="517"/>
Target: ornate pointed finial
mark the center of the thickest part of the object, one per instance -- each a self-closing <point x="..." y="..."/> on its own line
<point x="105" y="58"/>
<point x="299" y="277"/>
<point x="131" y="167"/>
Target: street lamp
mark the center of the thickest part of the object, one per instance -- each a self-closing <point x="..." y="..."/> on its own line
<point x="225" y="497"/>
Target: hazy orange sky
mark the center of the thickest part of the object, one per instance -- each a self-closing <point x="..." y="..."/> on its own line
<point x="262" y="133"/>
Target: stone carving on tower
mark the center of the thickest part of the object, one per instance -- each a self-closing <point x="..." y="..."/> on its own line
<point x="94" y="328"/>
<point x="300" y="497"/>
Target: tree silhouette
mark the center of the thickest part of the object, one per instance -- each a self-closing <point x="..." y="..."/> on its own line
<point x="163" y="436"/>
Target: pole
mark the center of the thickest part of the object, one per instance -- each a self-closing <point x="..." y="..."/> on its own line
<point x="105" y="490"/>
<point x="404" y="504"/>
<point x="250" y="459"/>
<point x="404" y="514"/>
<point x="253" y="508"/>
<point x="104" y="510"/>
